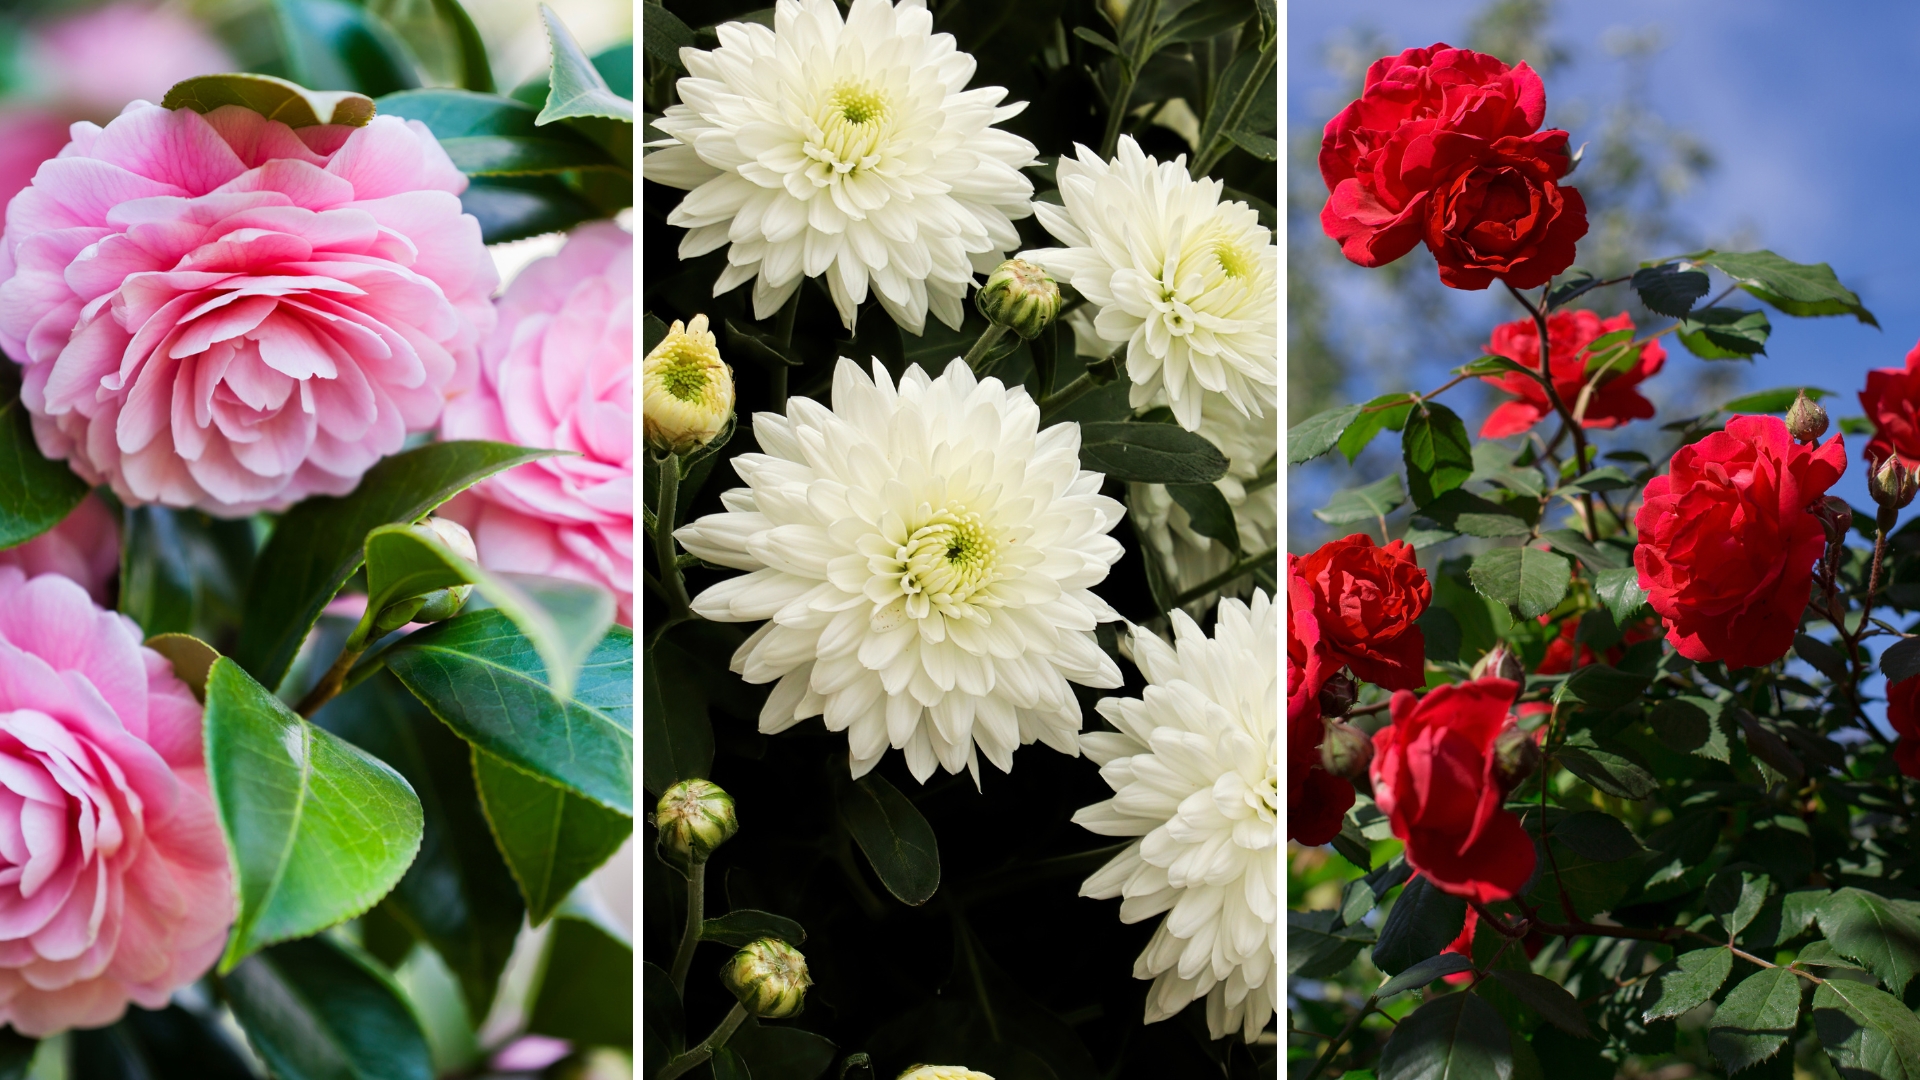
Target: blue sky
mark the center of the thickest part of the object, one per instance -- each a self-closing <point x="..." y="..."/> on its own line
<point x="1814" y="119"/>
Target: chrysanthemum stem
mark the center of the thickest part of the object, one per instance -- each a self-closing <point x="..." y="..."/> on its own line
<point x="1209" y="155"/>
<point x="699" y="1054"/>
<point x="1066" y="395"/>
<point x="671" y="583"/>
<point x="1136" y="42"/>
<point x="783" y="329"/>
<point x="1245" y="566"/>
<point x="982" y="345"/>
<point x="696" y="915"/>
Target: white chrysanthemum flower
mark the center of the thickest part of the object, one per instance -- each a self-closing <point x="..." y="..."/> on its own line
<point x="1187" y="557"/>
<point x="1187" y="281"/>
<point x="846" y="149"/>
<point x="924" y="557"/>
<point x="1195" y="770"/>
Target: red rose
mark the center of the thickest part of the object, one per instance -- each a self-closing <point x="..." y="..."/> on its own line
<point x="1366" y="600"/>
<point x="1612" y="403"/>
<point x="1505" y="217"/>
<point x="1434" y="777"/>
<point x="1316" y="801"/>
<point x="1378" y="156"/>
<point x="1892" y="402"/>
<point x="1463" y="945"/>
<point x="1727" y="545"/>
<point x="1559" y="658"/>
<point x="1903" y="712"/>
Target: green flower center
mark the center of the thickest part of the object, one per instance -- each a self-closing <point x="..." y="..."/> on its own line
<point x="1234" y="262"/>
<point x="684" y="376"/>
<point x="858" y="104"/>
<point x="950" y="558"/>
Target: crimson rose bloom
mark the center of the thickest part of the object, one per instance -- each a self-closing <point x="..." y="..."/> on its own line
<point x="1434" y="778"/>
<point x="1378" y="157"/>
<point x="1366" y="600"/>
<point x="1559" y="657"/>
<point x="1613" y="402"/>
<point x="1903" y="712"/>
<point x="1316" y="801"/>
<point x="1727" y="545"/>
<point x="1892" y="402"/>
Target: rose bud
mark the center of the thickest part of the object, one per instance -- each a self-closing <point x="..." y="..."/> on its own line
<point x="688" y="389"/>
<point x="769" y="977"/>
<point x="1500" y="663"/>
<point x="694" y="818"/>
<point x="1337" y="694"/>
<point x="1515" y="755"/>
<point x="1835" y="516"/>
<point x="942" y="1072"/>
<point x="1806" y="420"/>
<point x="1893" y="484"/>
<point x="1345" y="750"/>
<point x="1019" y="296"/>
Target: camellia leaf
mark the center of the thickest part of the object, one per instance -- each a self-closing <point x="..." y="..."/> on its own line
<point x="317" y="545"/>
<point x="576" y="87"/>
<point x="182" y="571"/>
<point x="551" y="838"/>
<point x="896" y="839"/>
<point x="744" y="927"/>
<point x="1688" y="982"/>
<point x="482" y="678"/>
<point x="341" y="44"/>
<point x="517" y="207"/>
<point x="1526" y="578"/>
<point x="1452" y="1037"/>
<point x="490" y="135"/>
<point x="1378" y="499"/>
<point x="317" y="830"/>
<point x="1438" y="454"/>
<point x="318" y="1009"/>
<point x="1669" y="290"/>
<point x="192" y="659"/>
<point x="1421" y="922"/>
<point x="586" y="992"/>
<point x="1319" y="433"/>
<point x="1795" y="288"/>
<point x="1149" y="453"/>
<point x="35" y="494"/>
<point x="1756" y="1019"/>
<point x="1867" y="1031"/>
<point x="1718" y="333"/>
<point x="1867" y="928"/>
<point x="276" y="99"/>
<point x="563" y="620"/>
<point x="443" y="38"/>
<point x="158" y="1044"/>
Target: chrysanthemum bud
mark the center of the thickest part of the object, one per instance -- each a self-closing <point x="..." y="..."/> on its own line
<point x="1115" y="10"/>
<point x="1806" y="420"/>
<point x="1337" y="694"/>
<point x="1019" y="296"/>
<point x="769" y="977"/>
<point x="1500" y="663"/>
<point x="1345" y="750"/>
<point x="694" y="817"/>
<point x="688" y="389"/>
<point x="1516" y="755"/>
<point x="942" y="1072"/>
<point x="1893" y="484"/>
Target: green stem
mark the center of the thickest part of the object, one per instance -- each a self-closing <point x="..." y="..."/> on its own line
<point x="1245" y="566"/>
<point x="1242" y="102"/>
<point x="1334" y="1044"/>
<point x="1136" y="39"/>
<point x="675" y="587"/>
<point x="696" y="915"/>
<point x="1068" y="394"/>
<point x="699" y="1054"/>
<point x="783" y="328"/>
<point x="983" y="345"/>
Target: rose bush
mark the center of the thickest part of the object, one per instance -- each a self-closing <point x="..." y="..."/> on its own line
<point x="1891" y="400"/>
<point x="1611" y="402"/>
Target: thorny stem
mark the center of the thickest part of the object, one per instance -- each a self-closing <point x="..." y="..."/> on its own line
<point x="1334" y="1044"/>
<point x="699" y="1054"/>
<point x="696" y="915"/>
<point x="1560" y="406"/>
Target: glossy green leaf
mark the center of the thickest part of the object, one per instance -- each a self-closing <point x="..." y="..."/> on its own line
<point x="1795" y="288"/>
<point x="1149" y="453"/>
<point x="1866" y="927"/>
<point x="678" y="742"/>
<point x="441" y="36"/>
<point x="1526" y="578"/>
<point x="1718" y="333"/>
<point x="551" y="838"/>
<point x="317" y="545"/>
<point x="1688" y="982"/>
<point x="744" y="927"/>
<point x="1437" y="452"/>
<point x="898" y="842"/>
<point x="192" y="659"/>
<point x="319" y="1010"/>
<point x="482" y="678"/>
<point x="1756" y="1019"/>
<point x="457" y="895"/>
<point x="163" y="1044"/>
<point x="341" y="45"/>
<point x="489" y="135"/>
<point x="586" y="990"/>
<point x="1601" y="686"/>
<point x="1208" y="513"/>
<point x="184" y="572"/>
<point x="1901" y="660"/>
<point x="576" y="87"/>
<point x="517" y="207"/>
<point x="35" y="494"/>
<point x="1867" y="1031"/>
<point x="317" y="830"/>
<point x="564" y="621"/>
<point x="1319" y="433"/>
<point x="1421" y="922"/>
<point x="276" y="99"/>
<point x="1375" y="500"/>
<point x="1594" y="885"/>
<point x="1452" y="1037"/>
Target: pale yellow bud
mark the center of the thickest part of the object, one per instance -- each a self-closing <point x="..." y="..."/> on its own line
<point x="943" y="1072"/>
<point x="1019" y="296"/>
<point x="769" y="977"/>
<point x="688" y="389"/>
<point x="694" y="817"/>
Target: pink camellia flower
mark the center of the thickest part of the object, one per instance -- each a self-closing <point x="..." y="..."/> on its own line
<point x="84" y="547"/>
<point x="114" y="885"/>
<point x="226" y="313"/>
<point x="558" y="372"/>
<point x="94" y="62"/>
<point x="29" y="135"/>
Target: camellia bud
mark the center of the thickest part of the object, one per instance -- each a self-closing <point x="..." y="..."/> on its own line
<point x="688" y="389"/>
<point x="1893" y="484"/>
<point x="942" y="1072"/>
<point x="1806" y="420"/>
<point x="1345" y="750"/>
<point x="1515" y="755"/>
<point x="694" y="817"/>
<point x="769" y="977"/>
<point x="1019" y="296"/>
<point x="440" y="604"/>
<point x="1337" y="694"/>
<point x="1500" y="664"/>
